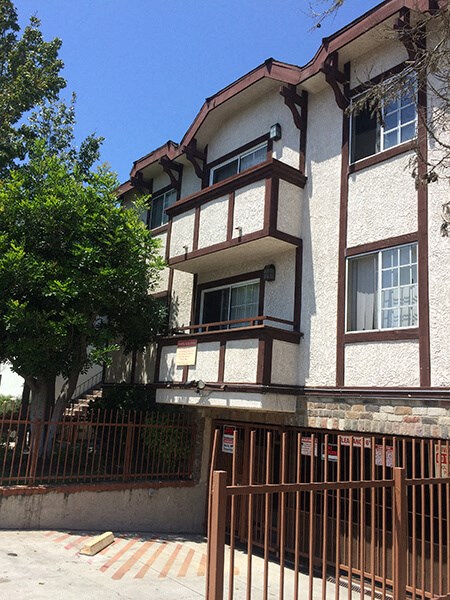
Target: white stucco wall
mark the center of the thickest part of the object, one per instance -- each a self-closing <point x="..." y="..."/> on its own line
<point x="388" y="54"/>
<point x="289" y="208"/>
<point x="320" y="233"/>
<point x="181" y="299"/>
<point x="285" y="363"/>
<point x="241" y="361"/>
<point x="207" y="364"/>
<point x="382" y="202"/>
<point x="163" y="282"/>
<point x="439" y="286"/>
<point x="379" y="364"/>
<point x="249" y="208"/>
<point x="182" y="233"/>
<point x="279" y="294"/>
<point x="168" y="370"/>
<point x="213" y="222"/>
<point x="190" y="183"/>
<point x="253" y="121"/>
<point x="223" y="399"/>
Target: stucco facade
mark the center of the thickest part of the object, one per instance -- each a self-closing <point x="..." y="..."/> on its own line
<point x="280" y="244"/>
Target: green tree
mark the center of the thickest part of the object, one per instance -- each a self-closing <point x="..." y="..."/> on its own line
<point x="29" y="74"/>
<point x="76" y="269"/>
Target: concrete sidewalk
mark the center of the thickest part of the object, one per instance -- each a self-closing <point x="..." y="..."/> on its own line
<point x="46" y="564"/>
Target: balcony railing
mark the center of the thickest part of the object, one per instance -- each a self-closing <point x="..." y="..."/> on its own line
<point x="260" y="207"/>
<point x="234" y="324"/>
<point x="255" y="351"/>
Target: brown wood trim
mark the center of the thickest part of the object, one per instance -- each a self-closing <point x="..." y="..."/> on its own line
<point x="196" y="228"/>
<point x="194" y="298"/>
<point x="298" y="286"/>
<point x="161" y="296"/>
<point x="230" y="217"/>
<point x="399" y="240"/>
<point x="184" y="377"/>
<point x="303" y="133"/>
<point x="159" y="348"/>
<point x="342" y="244"/>
<point x="168" y="241"/>
<point x="423" y="393"/>
<point x="264" y="366"/>
<point x="243" y="333"/>
<point x="222" y="352"/>
<point x="422" y="220"/>
<point x="273" y="204"/>
<point x="161" y="229"/>
<point x="269" y="168"/>
<point x="249" y="237"/>
<point x="388" y="335"/>
<point x="248" y="146"/>
<point x="162" y="191"/>
<point x="375" y="159"/>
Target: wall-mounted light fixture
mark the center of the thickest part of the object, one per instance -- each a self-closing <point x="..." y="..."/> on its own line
<point x="239" y="230"/>
<point x="199" y="385"/>
<point x="269" y="273"/>
<point x="275" y="132"/>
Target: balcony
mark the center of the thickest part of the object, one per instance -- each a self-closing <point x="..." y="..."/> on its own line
<point x="257" y="212"/>
<point x="244" y="363"/>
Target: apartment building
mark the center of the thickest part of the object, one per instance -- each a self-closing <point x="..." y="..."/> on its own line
<point x="307" y="279"/>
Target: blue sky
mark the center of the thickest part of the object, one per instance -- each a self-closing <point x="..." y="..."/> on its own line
<point x="142" y="69"/>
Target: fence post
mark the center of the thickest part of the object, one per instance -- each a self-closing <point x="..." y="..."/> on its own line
<point x="400" y="533"/>
<point x="216" y="536"/>
<point x="128" y="451"/>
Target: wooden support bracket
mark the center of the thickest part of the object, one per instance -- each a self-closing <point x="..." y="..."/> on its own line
<point x="138" y="182"/>
<point x="193" y="154"/>
<point x="173" y="170"/>
<point x="334" y="77"/>
<point x="294" y="101"/>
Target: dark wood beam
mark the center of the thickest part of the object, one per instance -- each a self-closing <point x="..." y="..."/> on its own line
<point x="173" y="170"/>
<point x="140" y="184"/>
<point x="334" y="77"/>
<point x="193" y="154"/>
<point x="403" y="26"/>
<point x="295" y="102"/>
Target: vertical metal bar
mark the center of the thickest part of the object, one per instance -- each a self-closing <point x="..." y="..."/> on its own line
<point x="216" y="538"/>
<point x="311" y="520"/>
<point x="447" y="517"/>
<point x="362" y="523"/>
<point x="440" y="524"/>
<point x="250" y="517"/>
<point x="24" y="422"/>
<point x="422" y="494"/>
<point x="431" y="490"/>
<point x="383" y="521"/>
<point x="325" y="523"/>
<point x="282" y="514"/>
<point x="297" y="518"/>
<point x="338" y="524"/>
<point x="267" y="517"/>
<point x="210" y="484"/>
<point x="413" y="533"/>
<point x="350" y="524"/>
<point x="232" y="517"/>
<point x="400" y="531"/>
<point x="373" y="506"/>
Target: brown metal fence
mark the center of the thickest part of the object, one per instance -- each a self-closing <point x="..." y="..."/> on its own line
<point x="342" y="516"/>
<point x="104" y="445"/>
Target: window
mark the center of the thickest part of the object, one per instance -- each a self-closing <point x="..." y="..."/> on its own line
<point x="396" y="125"/>
<point x="157" y="213"/>
<point x="239" y="163"/>
<point x="230" y="302"/>
<point x="382" y="289"/>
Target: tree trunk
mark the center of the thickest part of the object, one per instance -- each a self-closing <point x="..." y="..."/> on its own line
<point x="43" y="397"/>
<point x="59" y="407"/>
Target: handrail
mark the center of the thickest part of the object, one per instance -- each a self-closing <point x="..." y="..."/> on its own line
<point x="87" y="385"/>
<point x="247" y="322"/>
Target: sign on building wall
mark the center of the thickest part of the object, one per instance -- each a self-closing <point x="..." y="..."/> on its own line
<point x="228" y="439"/>
<point x="440" y="462"/>
<point x="306" y="446"/>
<point x="186" y="354"/>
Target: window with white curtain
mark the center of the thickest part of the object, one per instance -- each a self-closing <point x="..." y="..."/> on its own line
<point x="382" y="289"/>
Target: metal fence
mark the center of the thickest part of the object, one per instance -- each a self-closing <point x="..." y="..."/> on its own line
<point x="354" y="518"/>
<point x="104" y="445"/>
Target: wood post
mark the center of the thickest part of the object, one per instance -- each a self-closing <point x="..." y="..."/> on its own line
<point x="216" y="536"/>
<point x="400" y="533"/>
